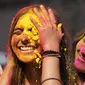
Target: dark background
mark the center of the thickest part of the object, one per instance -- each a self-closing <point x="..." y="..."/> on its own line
<point x="72" y="13"/>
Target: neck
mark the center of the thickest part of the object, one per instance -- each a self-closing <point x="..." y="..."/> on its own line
<point x="32" y="74"/>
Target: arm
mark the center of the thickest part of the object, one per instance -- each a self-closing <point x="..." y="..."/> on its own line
<point x="50" y="65"/>
<point x="50" y="69"/>
<point x="5" y="78"/>
<point x="1" y="70"/>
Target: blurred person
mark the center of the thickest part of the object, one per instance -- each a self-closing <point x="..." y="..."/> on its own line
<point x="79" y="53"/>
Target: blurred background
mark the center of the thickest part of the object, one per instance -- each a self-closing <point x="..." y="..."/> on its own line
<point x="71" y="12"/>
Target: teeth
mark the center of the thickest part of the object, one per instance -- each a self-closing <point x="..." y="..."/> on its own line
<point x="26" y="48"/>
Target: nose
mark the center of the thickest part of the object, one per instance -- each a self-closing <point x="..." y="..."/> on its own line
<point x="82" y="50"/>
<point x="25" y="41"/>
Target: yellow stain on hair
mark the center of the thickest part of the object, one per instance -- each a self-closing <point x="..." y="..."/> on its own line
<point x="59" y="25"/>
<point x="37" y="60"/>
<point x="38" y="56"/>
<point x="37" y="53"/>
<point x="65" y="49"/>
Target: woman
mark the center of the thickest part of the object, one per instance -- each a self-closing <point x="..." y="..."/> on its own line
<point x="34" y="51"/>
<point x="79" y="53"/>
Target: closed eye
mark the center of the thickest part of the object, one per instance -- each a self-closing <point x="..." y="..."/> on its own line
<point x="18" y="31"/>
<point x="78" y="50"/>
<point x="30" y="29"/>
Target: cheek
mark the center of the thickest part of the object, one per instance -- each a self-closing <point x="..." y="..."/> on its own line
<point x="80" y="44"/>
<point x="14" y="40"/>
<point x="79" y="65"/>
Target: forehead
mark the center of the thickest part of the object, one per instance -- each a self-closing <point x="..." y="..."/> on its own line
<point x="25" y="21"/>
<point x="81" y="42"/>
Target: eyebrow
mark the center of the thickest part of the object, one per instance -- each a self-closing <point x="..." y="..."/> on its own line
<point x="18" y="29"/>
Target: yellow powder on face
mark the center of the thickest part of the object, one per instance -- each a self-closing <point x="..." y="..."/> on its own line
<point x="27" y="19"/>
<point x="25" y="23"/>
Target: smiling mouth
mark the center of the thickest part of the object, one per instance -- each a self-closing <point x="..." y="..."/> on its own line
<point x="81" y="59"/>
<point x="26" y="48"/>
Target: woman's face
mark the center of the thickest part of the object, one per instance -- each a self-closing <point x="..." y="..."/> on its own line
<point x="80" y="55"/>
<point x="25" y="39"/>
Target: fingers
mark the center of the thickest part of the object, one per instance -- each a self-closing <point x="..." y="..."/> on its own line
<point x="49" y="20"/>
<point x="52" y="16"/>
<point x="44" y="20"/>
<point x="54" y="20"/>
<point x="35" y="23"/>
<point x="39" y="16"/>
<point x="45" y="13"/>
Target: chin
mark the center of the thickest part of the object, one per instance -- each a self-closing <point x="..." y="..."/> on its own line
<point x="26" y="60"/>
<point x="79" y="65"/>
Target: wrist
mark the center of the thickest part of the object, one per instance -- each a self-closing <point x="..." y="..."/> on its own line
<point x="51" y="47"/>
<point x="51" y="53"/>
